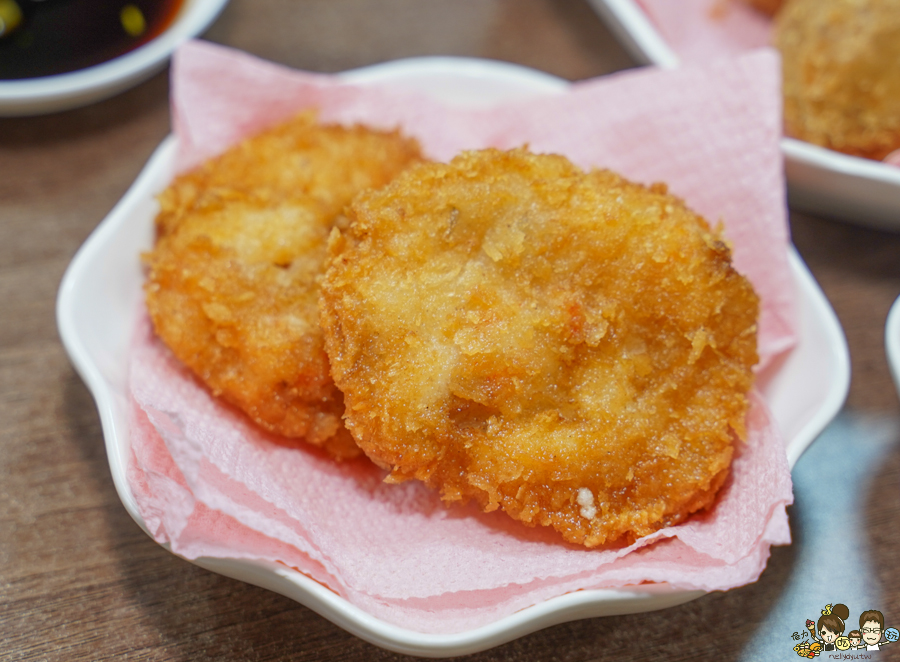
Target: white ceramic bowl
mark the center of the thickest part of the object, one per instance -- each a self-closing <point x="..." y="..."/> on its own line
<point x="820" y="181"/>
<point x="48" y="94"/>
<point x="892" y="342"/>
<point x="101" y="290"/>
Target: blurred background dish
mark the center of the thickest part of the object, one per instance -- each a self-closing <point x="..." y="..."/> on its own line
<point x="820" y="181"/>
<point x="61" y="54"/>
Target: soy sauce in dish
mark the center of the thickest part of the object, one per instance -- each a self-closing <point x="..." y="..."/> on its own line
<point x="48" y="37"/>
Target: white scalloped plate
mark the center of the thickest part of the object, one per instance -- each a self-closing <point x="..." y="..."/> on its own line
<point x="102" y="289"/>
<point x="820" y="181"/>
<point x="48" y="94"/>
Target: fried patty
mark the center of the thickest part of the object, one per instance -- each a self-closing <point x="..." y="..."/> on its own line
<point x="841" y="64"/>
<point x="231" y="285"/>
<point x="570" y="347"/>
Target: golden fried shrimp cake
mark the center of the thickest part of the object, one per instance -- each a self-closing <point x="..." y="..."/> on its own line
<point x="569" y="347"/>
<point x="841" y="71"/>
<point x="241" y="241"/>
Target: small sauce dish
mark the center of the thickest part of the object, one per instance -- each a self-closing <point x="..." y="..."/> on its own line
<point x="51" y="93"/>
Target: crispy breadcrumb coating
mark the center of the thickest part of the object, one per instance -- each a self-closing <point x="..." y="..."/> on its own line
<point x="231" y="287"/>
<point x="841" y="62"/>
<point x="570" y="347"/>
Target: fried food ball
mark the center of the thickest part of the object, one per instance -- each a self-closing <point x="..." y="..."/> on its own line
<point x="570" y="347"/>
<point x="231" y="287"/>
<point x="841" y="63"/>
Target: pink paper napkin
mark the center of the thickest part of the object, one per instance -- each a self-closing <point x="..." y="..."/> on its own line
<point x="211" y="484"/>
<point x="701" y="30"/>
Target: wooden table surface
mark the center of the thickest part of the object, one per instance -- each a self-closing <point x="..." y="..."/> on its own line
<point x="79" y="580"/>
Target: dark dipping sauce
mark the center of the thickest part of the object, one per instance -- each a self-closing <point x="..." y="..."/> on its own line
<point x="59" y="36"/>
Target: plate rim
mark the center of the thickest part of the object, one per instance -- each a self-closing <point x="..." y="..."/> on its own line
<point x="892" y="341"/>
<point x="295" y="585"/>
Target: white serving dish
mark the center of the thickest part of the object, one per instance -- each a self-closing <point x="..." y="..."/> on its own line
<point x="820" y="181"/>
<point x="892" y="342"/>
<point x="49" y="94"/>
<point x="101" y="290"/>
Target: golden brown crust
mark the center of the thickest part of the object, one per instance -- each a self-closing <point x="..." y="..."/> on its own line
<point x="232" y="285"/>
<point x="509" y="329"/>
<point x="841" y="61"/>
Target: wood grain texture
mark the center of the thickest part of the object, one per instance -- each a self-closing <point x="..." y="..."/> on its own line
<point x="80" y="581"/>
